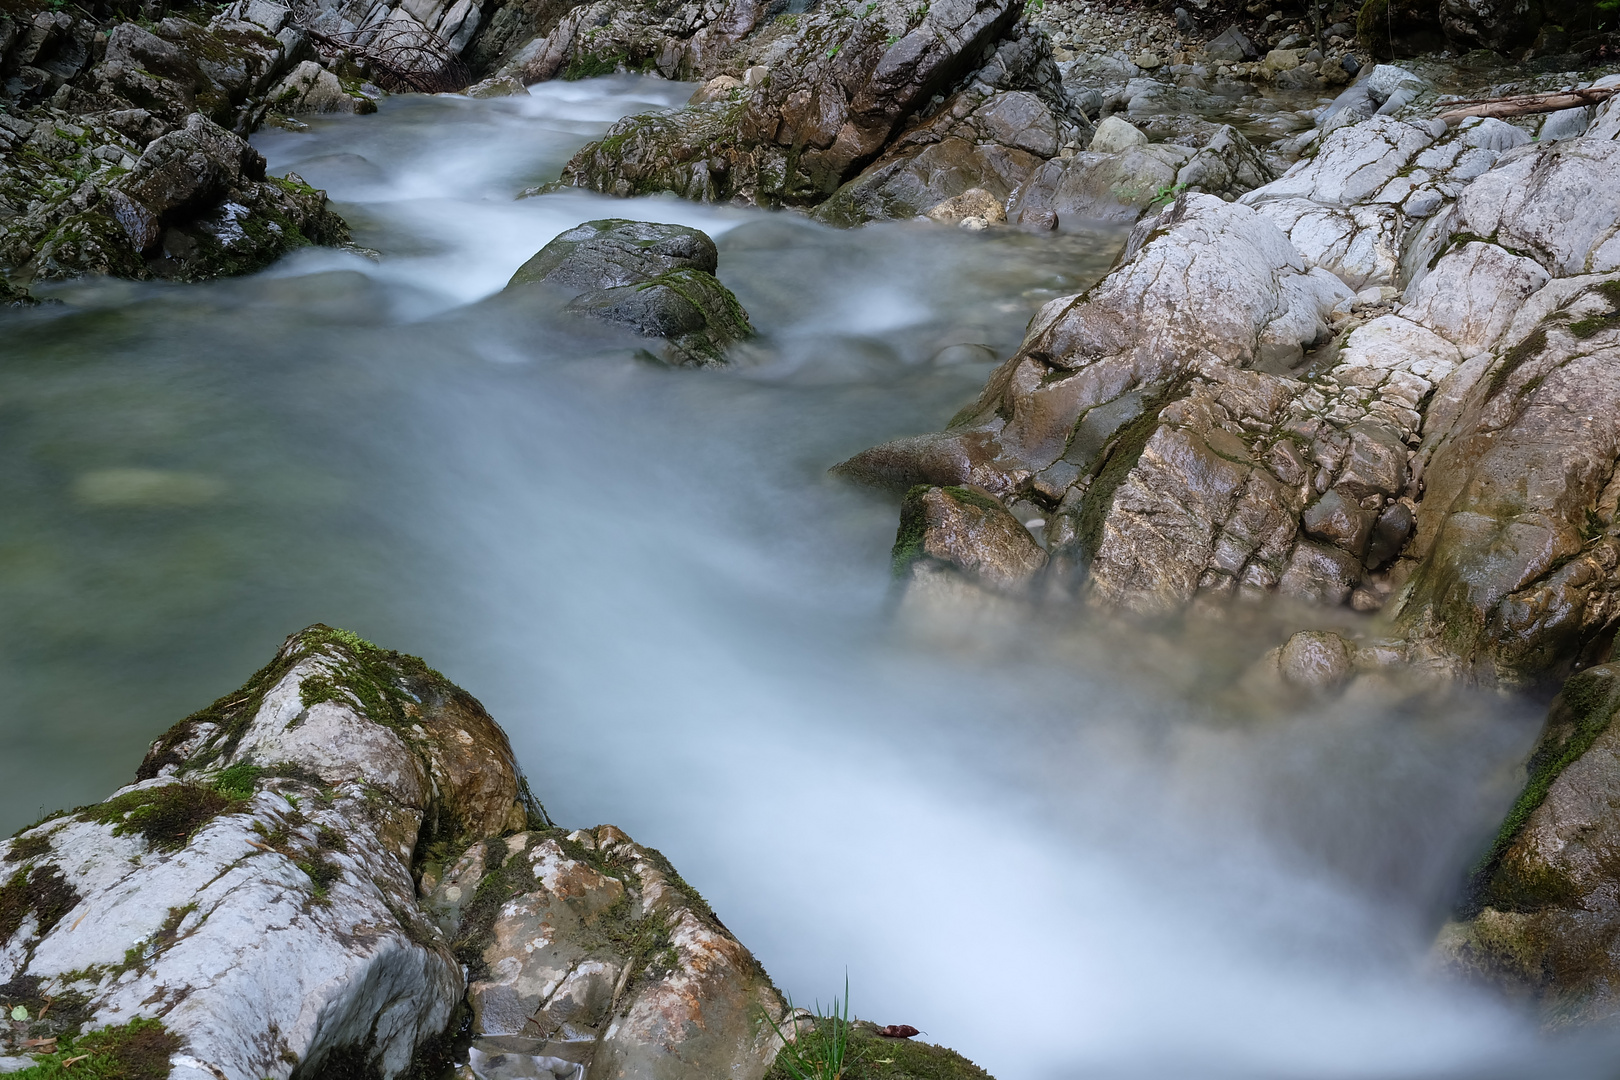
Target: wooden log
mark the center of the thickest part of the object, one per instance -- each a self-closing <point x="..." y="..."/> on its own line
<point x="1526" y="104"/>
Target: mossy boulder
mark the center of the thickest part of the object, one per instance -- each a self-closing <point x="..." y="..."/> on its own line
<point x="255" y="888"/>
<point x="1541" y="907"/>
<point x="657" y="280"/>
<point x="872" y="1056"/>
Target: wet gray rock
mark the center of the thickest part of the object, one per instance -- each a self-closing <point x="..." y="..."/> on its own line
<point x="657" y="280"/>
<point x="968" y="531"/>
<point x="612" y="252"/>
<point x="1231" y="44"/>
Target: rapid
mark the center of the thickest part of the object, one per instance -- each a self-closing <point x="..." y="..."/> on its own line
<point x="1041" y="844"/>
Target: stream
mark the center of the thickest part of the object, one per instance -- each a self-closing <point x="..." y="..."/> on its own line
<point x="1041" y="844"/>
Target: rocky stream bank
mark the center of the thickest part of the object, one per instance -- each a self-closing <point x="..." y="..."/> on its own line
<point x="1357" y="356"/>
<point x="339" y="870"/>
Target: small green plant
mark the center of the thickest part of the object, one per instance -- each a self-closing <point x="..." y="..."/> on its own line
<point x="832" y="52"/>
<point x="1035" y="5"/>
<point x="1166" y="193"/>
<point x="820" y="1052"/>
<point x="889" y="41"/>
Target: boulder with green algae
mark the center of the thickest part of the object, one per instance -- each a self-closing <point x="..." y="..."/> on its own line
<point x="876" y="1057"/>
<point x="254" y="890"/>
<point x="1543" y="909"/>
<point x="657" y="280"/>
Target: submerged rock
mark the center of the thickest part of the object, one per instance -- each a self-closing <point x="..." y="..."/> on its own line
<point x="657" y="280"/>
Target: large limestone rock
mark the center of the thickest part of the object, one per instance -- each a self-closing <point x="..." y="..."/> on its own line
<point x="253" y="891"/>
<point x="306" y="875"/>
<point x="1542" y="914"/>
<point x="657" y="280"/>
<point x="1517" y="541"/>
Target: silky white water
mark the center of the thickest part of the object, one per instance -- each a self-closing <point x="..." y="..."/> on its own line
<point x="1040" y="845"/>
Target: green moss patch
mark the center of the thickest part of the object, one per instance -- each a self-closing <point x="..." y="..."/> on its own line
<point x="870" y="1056"/>
<point x="1583" y="710"/>
<point x="42" y="891"/>
<point x="139" y="1050"/>
<point x="1112" y="468"/>
<point x="167" y="816"/>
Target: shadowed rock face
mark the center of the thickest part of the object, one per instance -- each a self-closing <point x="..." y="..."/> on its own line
<point x="128" y="159"/>
<point x="305" y="867"/>
<point x="1542" y="917"/>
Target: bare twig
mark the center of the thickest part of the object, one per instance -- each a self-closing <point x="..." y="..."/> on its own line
<point x="400" y="58"/>
<point x="1525" y="104"/>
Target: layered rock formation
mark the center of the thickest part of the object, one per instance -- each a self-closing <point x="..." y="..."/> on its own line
<point x="1377" y="377"/>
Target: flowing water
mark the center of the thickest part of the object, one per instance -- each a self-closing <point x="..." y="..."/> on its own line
<point x="1064" y="849"/>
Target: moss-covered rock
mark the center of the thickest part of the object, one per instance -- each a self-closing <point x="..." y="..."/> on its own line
<point x="265" y="866"/>
<point x="871" y="1056"/>
<point x="655" y="279"/>
<point x="1541" y="906"/>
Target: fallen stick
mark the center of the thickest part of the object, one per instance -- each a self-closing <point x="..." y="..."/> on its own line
<point x="1525" y="104"/>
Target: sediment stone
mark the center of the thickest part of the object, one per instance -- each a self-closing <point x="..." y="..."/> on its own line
<point x="658" y="280"/>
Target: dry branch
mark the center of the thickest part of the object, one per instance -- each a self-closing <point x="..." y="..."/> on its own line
<point x="399" y="58"/>
<point x="1525" y="104"/>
